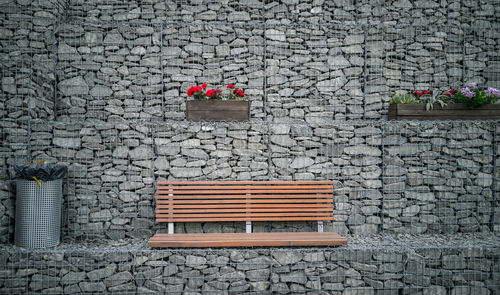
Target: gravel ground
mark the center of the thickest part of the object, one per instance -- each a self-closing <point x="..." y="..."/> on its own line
<point x="385" y="242"/>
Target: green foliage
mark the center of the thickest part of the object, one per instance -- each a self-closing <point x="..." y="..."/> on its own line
<point x="480" y="98"/>
<point x="433" y="98"/>
<point x="403" y="98"/>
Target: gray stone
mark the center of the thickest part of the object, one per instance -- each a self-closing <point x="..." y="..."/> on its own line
<point x="238" y="16"/>
<point x="283" y="140"/>
<point x="363" y="150"/>
<point x="93" y="38"/>
<point x="161" y="163"/>
<point x="9" y="85"/>
<point x="333" y="287"/>
<point x="331" y="85"/>
<point x="402" y="4"/>
<point x="314" y="257"/>
<point x="435" y="290"/>
<point x="195" y="154"/>
<point x="141" y="153"/>
<point x="74" y="86"/>
<point x="287" y="257"/>
<point x="114" y="38"/>
<point x="66" y="52"/>
<point x="102" y="215"/>
<point x="301" y="162"/>
<point x="185" y="172"/>
<point x="484" y="179"/>
<point x="71" y="142"/>
<point x="101" y="91"/>
<point x="92" y="287"/>
<point x="359" y="291"/>
<point x="294" y="277"/>
<point x="195" y="261"/>
<point x="276" y="35"/>
<point x="424" y="197"/>
<point x="118" y="279"/>
<point x="338" y="62"/>
<point x="72" y="278"/>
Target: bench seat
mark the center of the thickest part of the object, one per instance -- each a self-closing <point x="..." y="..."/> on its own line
<point x="275" y="239"/>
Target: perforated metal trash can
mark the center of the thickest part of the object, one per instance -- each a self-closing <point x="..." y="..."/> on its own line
<point x="38" y="213"/>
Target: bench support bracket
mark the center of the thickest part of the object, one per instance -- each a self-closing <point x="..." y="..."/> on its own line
<point x="248" y="227"/>
<point x="320" y="226"/>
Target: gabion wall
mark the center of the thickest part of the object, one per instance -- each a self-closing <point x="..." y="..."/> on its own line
<point x="119" y="270"/>
<point x="390" y="177"/>
<point x="117" y="73"/>
<point x="101" y="87"/>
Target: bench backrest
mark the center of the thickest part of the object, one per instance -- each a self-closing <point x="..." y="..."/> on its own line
<point x="201" y="201"/>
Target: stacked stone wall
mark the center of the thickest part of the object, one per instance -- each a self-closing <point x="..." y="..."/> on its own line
<point x="388" y="177"/>
<point x="265" y="271"/>
<point x="27" y="78"/>
<point x="298" y="61"/>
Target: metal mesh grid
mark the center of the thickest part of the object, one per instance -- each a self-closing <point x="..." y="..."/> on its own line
<point x="313" y="73"/>
<point x="323" y="61"/>
<point x="38" y="213"/>
<point x="110" y="63"/>
<point x="368" y="270"/>
<point x="389" y="177"/>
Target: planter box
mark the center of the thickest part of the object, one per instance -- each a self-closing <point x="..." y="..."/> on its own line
<point x="458" y="111"/>
<point x="218" y="110"/>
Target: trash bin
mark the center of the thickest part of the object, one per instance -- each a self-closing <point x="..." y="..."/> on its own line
<point x="38" y="205"/>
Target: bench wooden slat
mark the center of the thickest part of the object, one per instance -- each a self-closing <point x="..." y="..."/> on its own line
<point x="256" y="201"/>
<point x="242" y="191"/>
<point x="175" y="197"/>
<point x="242" y="187"/>
<point x="237" y="182"/>
<point x="275" y="239"/>
<point x="246" y="214"/>
<point x="217" y="219"/>
<point x="249" y="206"/>
<point x="243" y="209"/>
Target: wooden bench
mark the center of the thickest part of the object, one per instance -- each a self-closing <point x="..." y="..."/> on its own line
<point x="212" y="201"/>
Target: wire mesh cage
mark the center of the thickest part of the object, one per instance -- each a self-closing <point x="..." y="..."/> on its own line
<point x="38" y="213"/>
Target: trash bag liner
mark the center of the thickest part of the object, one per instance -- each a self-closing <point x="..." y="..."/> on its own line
<point x="43" y="172"/>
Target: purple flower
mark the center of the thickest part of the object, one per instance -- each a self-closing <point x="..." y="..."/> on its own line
<point x="472" y="85"/>
<point x="466" y="91"/>
<point x="494" y="91"/>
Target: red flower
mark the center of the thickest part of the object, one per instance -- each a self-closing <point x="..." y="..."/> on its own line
<point x="230" y="86"/>
<point x="447" y="94"/>
<point x="203" y="85"/>
<point x="214" y="92"/>
<point x="239" y="92"/>
<point x="193" y="90"/>
<point x="416" y="93"/>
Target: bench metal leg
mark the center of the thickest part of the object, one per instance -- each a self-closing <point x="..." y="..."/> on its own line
<point x="320" y="226"/>
<point x="249" y="227"/>
<point x="170" y="227"/>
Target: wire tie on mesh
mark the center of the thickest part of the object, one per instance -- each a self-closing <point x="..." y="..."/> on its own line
<point x="39" y="182"/>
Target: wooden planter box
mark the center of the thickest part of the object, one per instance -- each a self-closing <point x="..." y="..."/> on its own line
<point x="218" y="110"/>
<point x="458" y="111"/>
